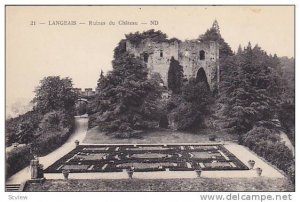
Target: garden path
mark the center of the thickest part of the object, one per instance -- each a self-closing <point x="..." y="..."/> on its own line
<point x="244" y="154"/>
<point x="239" y="151"/>
<point x="81" y="125"/>
<point x="287" y="142"/>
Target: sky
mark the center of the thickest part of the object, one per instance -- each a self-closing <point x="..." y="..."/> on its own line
<point x="80" y="51"/>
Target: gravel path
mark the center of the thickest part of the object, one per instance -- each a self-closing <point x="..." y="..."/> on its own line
<point x="81" y="124"/>
<point x="287" y="142"/>
<point x="244" y="154"/>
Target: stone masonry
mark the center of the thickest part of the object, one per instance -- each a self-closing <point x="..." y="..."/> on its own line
<point x="192" y="55"/>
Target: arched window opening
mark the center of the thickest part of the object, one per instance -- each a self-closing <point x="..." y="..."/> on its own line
<point x="201" y="77"/>
<point x="202" y="55"/>
<point x="146" y="56"/>
<point x="161" y="54"/>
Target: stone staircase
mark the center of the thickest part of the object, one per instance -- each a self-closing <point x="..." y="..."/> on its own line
<point x="13" y="187"/>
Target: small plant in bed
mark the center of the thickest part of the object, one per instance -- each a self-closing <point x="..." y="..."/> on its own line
<point x="212" y="137"/>
<point x="258" y="171"/>
<point x="130" y="172"/>
<point x="66" y="173"/>
<point x="251" y="164"/>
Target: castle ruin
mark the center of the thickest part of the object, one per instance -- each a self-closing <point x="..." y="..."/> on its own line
<point x="197" y="58"/>
<point x="88" y="92"/>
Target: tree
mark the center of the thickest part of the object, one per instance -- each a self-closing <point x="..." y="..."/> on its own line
<point x="22" y="128"/>
<point x="55" y="94"/>
<point x="137" y="37"/>
<point x="216" y="27"/>
<point x="50" y="121"/>
<point x="251" y="89"/>
<point x="239" y="51"/>
<point x="156" y="36"/>
<point x="101" y="81"/>
<point x="25" y="132"/>
<point x="213" y="34"/>
<point x="175" y="76"/>
<point x="126" y="102"/>
<point x="193" y="106"/>
<point x="286" y="116"/>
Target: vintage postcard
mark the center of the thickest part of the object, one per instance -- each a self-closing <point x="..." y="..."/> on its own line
<point x="150" y="98"/>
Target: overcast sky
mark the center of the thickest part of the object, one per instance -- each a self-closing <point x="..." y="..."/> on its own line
<point x="80" y="51"/>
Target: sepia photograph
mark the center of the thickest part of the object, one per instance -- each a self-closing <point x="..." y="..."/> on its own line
<point x="156" y="98"/>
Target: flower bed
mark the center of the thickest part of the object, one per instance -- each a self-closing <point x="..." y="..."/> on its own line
<point x="147" y="148"/>
<point x="75" y="167"/>
<point x="149" y="155"/>
<point x="205" y="155"/>
<point x="144" y="158"/>
<point x="216" y="164"/>
<point x="92" y="156"/>
<point x="144" y="165"/>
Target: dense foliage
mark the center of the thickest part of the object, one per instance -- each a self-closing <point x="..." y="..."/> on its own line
<point x="286" y="116"/>
<point x="213" y="34"/>
<point x="127" y="99"/>
<point x="156" y="36"/>
<point x="175" y="76"/>
<point x="189" y="109"/>
<point x="17" y="159"/>
<point x="137" y="37"/>
<point x="44" y="128"/>
<point x="251" y="90"/>
<point x="288" y="75"/>
<point x="55" y="94"/>
<point x="265" y="143"/>
<point x="225" y="51"/>
<point x="286" y="113"/>
<point x="22" y="128"/>
<point x="256" y="98"/>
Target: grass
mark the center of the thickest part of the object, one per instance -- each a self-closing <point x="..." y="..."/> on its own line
<point x="159" y="136"/>
<point x="198" y="184"/>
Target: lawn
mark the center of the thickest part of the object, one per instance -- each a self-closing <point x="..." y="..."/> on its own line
<point x="198" y="184"/>
<point x="159" y="136"/>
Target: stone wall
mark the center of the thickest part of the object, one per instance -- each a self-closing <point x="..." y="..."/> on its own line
<point x="157" y="57"/>
<point x="86" y="93"/>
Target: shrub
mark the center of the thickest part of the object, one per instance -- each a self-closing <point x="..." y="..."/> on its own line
<point x="51" y="140"/>
<point x="287" y="119"/>
<point x="163" y="122"/>
<point x="50" y="120"/>
<point x="267" y="144"/>
<point x="291" y="173"/>
<point x="92" y="120"/>
<point x="55" y="128"/>
<point x="17" y="159"/>
<point x="82" y="108"/>
<point x="56" y="120"/>
<point x="21" y="128"/>
<point x="189" y="109"/>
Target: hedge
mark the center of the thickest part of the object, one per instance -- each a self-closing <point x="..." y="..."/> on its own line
<point x="17" y="159"/>
<point x="51" y="140"/>
<point x="267" y="145"/>
<point x="20" y="157"/>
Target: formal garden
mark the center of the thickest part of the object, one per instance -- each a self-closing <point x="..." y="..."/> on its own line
<point x="147" y="158"/>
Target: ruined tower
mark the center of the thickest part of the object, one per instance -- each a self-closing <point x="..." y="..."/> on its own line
<point x="197" y="58"/>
